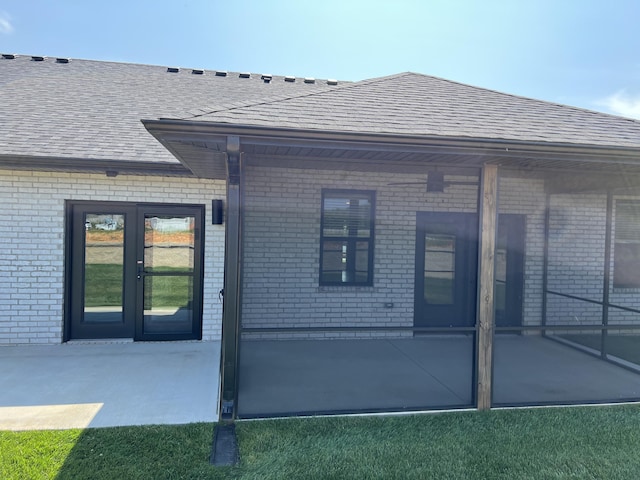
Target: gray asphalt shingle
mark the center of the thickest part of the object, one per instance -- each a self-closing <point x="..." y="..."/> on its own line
<point x="415" y="104"/>
<point x="90" y="109"/>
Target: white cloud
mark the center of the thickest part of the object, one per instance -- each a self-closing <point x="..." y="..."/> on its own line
<point x="623" y="103"/>
<point x="5" y="23"/>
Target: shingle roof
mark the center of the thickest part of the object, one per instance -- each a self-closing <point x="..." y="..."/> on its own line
<point x="415" y="104"/>
<point x="92" y="110"/>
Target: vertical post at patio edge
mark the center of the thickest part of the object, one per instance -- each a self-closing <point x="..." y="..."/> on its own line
<point x="606" y="283"/>
<point x="486" y="279"/>
<point x="231" y="298"/>
<point x="545" y="262"/>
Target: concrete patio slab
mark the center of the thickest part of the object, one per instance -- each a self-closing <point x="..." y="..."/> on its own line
<point x="280" y="377"/>
<point x="318" y="376"/>
<point x="535" y="370"/>
<point x="108" y="384"/>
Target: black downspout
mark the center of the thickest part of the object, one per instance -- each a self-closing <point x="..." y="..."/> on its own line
<point x="231" y="301"/>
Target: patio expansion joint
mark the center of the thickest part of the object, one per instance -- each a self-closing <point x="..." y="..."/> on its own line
<point x="412" y="360"/>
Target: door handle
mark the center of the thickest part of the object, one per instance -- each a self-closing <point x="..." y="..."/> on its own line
<point x="140" y="264"/>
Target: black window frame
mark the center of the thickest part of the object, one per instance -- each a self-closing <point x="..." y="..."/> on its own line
<point x="351" y="240"/>
<point x="626" y="272"/>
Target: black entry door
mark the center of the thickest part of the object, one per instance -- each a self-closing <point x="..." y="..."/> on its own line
<point x="135" y="271"/>
<point x="446" y="270"/>
<point x="509" y="270"/>
<point x="446" y="258"/>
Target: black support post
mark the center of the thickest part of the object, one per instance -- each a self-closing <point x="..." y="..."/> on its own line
<point x="545" y="260"/>
<point x="607" y="275"/>
<point x="232" y="287"/>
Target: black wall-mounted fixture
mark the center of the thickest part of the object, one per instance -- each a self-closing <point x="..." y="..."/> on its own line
<point x="435" y="182"/>
<point x="217" y="212"/>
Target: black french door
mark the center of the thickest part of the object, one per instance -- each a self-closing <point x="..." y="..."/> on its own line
<point x="135" y="271"/>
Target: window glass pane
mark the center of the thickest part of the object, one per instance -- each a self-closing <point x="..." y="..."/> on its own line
<point x="104" y="260"/>
<point x="362" y="262"/>
<point x="626" y="251"/>
<point x="169" y="243"/>
<point x="347" y="217"/>
<point x="334" y="262"/>
<point x="627" y="221"/>
<point x="439" y="268"/>
<point x="626" y="265"/>
<point x="347" y="232"/>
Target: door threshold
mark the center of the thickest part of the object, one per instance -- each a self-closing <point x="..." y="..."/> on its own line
<point x="95" y="341"/>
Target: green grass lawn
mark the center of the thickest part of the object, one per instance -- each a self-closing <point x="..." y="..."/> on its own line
<point x="104" y="287"/>
<point x="552" y="443"/>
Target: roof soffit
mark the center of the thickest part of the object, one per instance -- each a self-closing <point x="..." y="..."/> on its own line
<point x="334" y="148"/>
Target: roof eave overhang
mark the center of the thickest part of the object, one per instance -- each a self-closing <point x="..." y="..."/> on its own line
<point x="498" y="151"/>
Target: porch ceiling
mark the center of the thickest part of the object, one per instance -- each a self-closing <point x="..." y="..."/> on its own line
<point x="202" y="149"/>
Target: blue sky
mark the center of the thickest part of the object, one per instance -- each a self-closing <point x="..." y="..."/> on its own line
<point x="578" y="52"/>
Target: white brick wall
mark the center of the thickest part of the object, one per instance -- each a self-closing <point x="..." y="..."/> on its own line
<point x="281" y="251"/>
<point x="576" y="263"/>
<point x="282" y="241"/>
<point x="32" y="243"/>
<point x="576" y="258"/>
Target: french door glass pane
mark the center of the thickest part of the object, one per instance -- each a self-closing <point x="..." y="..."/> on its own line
<point x="168" y="303"/>
<point x="439" y="268"/>
<point x="169" y="243"/>
<point x="103" y="268"/>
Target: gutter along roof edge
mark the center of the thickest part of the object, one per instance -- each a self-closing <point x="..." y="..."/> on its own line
<point x="79" y="164"/>
<point x="162" y="128"/>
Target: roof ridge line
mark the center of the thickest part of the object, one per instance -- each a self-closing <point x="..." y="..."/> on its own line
<point x="281" y="98"/>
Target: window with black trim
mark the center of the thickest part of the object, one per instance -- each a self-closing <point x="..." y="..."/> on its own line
<point x="626" y="251"/>
<point x="346" y="243"/>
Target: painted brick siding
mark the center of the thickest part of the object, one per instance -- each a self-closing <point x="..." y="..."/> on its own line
<point x="32" y="243"/>
<point x="576" y="258"/>
<point x="282" y="242"/>
<point x="576" y="263"/>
